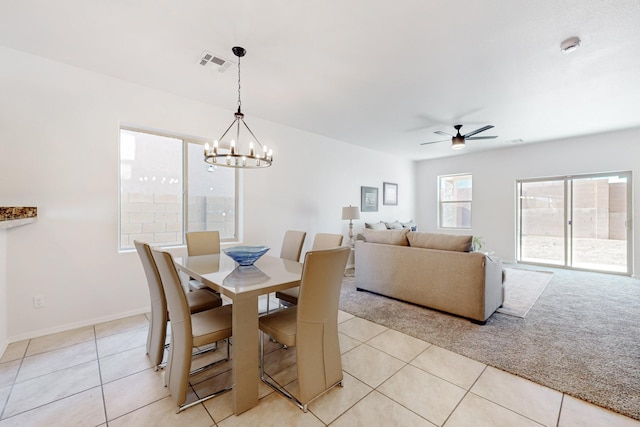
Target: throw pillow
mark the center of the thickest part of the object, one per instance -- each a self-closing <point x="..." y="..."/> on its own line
<point x="410" y="225"/>
<point x="444" y="242"/>
<point x="375" y="225"/>
<point x="396" y="225"/>
<point x="388" y="237"/>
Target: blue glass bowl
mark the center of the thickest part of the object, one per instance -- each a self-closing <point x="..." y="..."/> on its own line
<point x="246" y="255"/>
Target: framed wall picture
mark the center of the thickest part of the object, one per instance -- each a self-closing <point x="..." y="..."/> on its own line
<point x="389" y="193"/>
<point x="368" y="199"/>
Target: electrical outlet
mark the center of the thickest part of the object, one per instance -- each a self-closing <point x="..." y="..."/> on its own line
<point x="39" y="301"/>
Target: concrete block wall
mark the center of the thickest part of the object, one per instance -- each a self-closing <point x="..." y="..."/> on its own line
<point x="212" y="213"/>
<point x="152" y="218"/>
<point x="599" y="210"/>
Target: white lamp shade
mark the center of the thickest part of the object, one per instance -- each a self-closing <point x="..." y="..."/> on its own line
<point x="350" y="212"/>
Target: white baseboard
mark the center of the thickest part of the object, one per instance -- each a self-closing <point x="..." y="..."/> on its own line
<point x="71" y="326"/>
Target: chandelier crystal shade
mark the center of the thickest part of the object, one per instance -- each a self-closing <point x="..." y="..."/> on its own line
<point x="231" y="154"/>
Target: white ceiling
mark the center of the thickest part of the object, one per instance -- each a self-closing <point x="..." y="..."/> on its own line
<point x="381" y="74"/>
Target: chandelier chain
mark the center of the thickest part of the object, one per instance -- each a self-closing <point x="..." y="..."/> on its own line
<point x="239" y="101"/>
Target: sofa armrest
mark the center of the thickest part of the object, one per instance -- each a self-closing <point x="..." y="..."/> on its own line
<point x="493" y="286"/>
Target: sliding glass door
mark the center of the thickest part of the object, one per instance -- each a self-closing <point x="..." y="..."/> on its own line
<point x="599" y="223"/>
<point x="542" y="221"/>
<point x="577" y="222"/>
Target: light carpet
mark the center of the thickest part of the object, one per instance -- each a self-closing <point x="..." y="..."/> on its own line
<point x="581" y="336"/>
<point x="522" y="288"/>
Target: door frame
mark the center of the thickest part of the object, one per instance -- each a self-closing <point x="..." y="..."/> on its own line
<point x="567" y="262"/>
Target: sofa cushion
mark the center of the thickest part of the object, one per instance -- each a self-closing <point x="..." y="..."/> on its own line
<point x="388" y="237"/>
<point x="375" y="225"/>
<point x="444" y="242"/>
<point x="396" y="225"/>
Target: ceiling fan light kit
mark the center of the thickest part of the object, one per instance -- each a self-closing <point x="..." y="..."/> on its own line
<point x="457" y="143"/>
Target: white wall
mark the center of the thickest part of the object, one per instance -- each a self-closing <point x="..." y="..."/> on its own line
<point x="495" y="173"/>
<point x="3" y="291"/>
<point x="59" y="136"/>
<point x="321" y="176"/>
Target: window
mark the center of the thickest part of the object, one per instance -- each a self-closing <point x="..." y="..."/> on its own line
<point x="580" y="221"/>
<point x="166" y="189"/>
<point x="454" y="196"/>
<point x="211" y="196"/>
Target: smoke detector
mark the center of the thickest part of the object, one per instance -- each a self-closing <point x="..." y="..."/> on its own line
<point x="570" y="44"/>
<point x="215" y="62"/>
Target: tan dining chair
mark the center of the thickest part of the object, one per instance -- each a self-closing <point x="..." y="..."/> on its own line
<point x="292" y="245"/>
<point x="202" y="243"/>
<point x="188" y="331"/>
<point x="291" y="249"/>
<point x="311" y="327"/>
<point x="323" y="241"/>
<point x="197" y="301"/>
<point x="320" y="242"/>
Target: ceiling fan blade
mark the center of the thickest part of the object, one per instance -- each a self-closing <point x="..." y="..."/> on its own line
<point x="481" y="137"/>
<point x="433" y="142"/>
<point x="439" y="132"/>
<point x="482" y="129"/>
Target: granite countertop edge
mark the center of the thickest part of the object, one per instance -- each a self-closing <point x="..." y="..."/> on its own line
<point x="10" y="223"/>
<point x="16" y="216"/>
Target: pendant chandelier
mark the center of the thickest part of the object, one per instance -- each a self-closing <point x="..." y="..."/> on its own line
<point x="233" y="156"/>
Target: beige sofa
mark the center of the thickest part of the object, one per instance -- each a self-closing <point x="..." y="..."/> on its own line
<point x="432" y="270"/>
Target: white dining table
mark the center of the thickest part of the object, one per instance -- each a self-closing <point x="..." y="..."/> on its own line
<point x="243" y="285"/>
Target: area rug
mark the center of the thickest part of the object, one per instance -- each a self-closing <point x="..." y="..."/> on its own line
<point x="522" y="288"/>
<point x="580" y="337"/>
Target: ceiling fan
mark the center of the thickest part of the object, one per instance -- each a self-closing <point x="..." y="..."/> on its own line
<point x="457" y="140"/>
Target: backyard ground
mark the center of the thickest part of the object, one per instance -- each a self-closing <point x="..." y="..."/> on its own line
<point x="596" y="254"/>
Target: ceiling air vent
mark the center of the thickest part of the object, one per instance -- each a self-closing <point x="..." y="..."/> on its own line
<point x="216" y="62"/>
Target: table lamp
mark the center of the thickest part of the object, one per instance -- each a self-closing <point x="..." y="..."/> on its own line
<point x="350" y="213"/>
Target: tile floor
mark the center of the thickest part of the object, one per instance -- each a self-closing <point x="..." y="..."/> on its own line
<point x="100" y="375"/>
